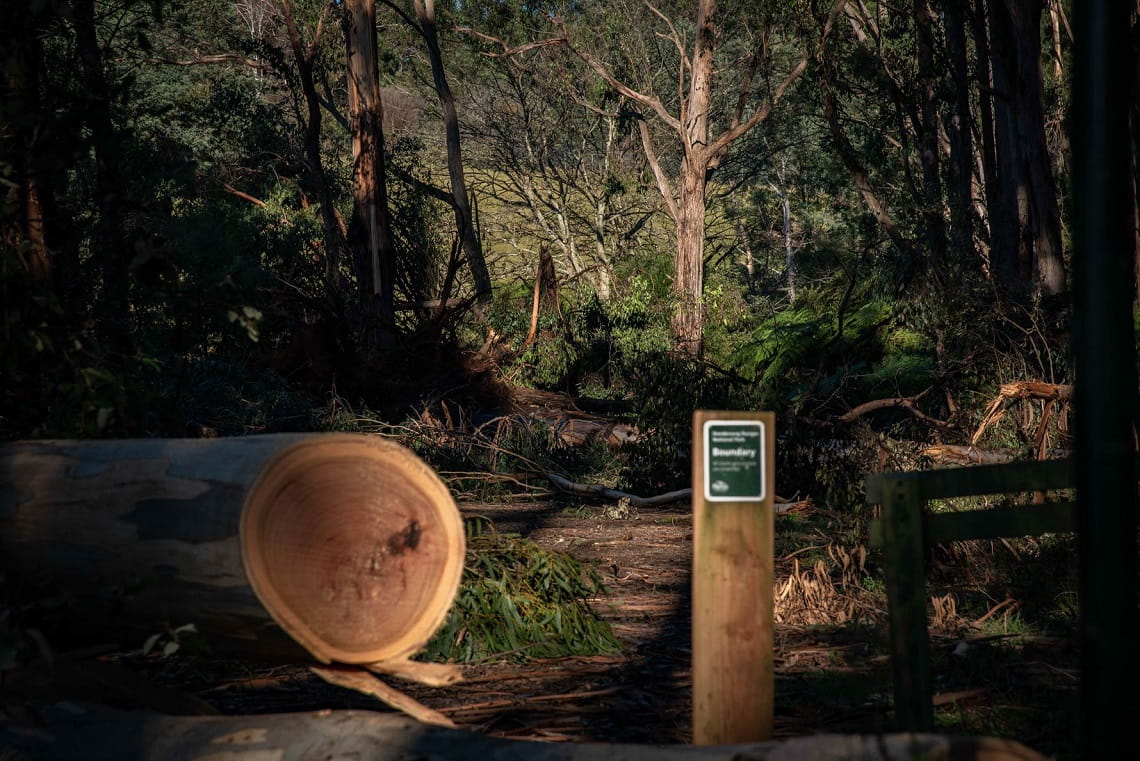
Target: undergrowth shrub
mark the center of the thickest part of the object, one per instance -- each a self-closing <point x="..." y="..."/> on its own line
<point x="521" y="601"/>
<point x="666" y="389"/>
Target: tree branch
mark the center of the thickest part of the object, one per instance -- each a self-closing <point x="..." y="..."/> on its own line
<point x="209" y="60"/>
<point x="907" y="403"/>
<point x="655" y="164"/>
<point x="721" y="144"/>
<point x="648" y="101"/>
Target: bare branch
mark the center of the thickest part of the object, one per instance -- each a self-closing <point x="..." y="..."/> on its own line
<point x="672" y="36"/>
<point x="244" y="196"/>
<point x="508" y="51"/>
<point x="721" y="144"/>
<point x="208" y="60"/>
<point x="622" y="88"/>
<point x="404" y="16"/>
<point x="655" y="164"/>
<point x="907" y="403"/>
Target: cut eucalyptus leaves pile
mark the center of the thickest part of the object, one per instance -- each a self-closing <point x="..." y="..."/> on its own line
<point x="520" y="601"/>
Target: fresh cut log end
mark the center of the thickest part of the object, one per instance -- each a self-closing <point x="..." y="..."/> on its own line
<point x="354" y="546"/>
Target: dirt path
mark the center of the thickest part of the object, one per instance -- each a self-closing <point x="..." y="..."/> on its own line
<point x="826" y="680"/>
<point x="644" y="694"/>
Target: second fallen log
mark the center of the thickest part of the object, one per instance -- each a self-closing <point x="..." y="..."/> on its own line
<point x="350" y="544"/>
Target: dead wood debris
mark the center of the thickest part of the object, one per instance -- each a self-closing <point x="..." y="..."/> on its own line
<point x="353" y="678"/>
<point x="604" y="492"/>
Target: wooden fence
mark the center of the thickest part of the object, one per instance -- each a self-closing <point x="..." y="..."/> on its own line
<point x="906" y="529"/>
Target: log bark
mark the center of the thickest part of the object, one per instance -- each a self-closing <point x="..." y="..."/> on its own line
<point x="958" y="454"/>
<point x="74" y="732"/>
<point x="349" y="544"/>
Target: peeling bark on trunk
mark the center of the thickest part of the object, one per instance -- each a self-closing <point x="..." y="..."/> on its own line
<point x="369" y="231"/>
<point x="688" y="264"/>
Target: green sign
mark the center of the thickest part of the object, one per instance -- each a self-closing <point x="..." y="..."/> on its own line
<point x="734" y="461"/>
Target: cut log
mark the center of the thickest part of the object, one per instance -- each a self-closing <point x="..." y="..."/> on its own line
<point x="350" y="544"/>
<point x="81" y="732"/>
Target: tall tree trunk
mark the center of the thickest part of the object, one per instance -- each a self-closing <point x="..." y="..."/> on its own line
<point x="334" y="239"/>
<point x="688" y="265"/>
<point x="789" y="250"/>
<point x="472" y="246"/>
<point x="34" y="227"/>
<point x="933" y="221"/>
<point x="110" y="249"/>
<point x="958" y="170"/>
<point x="1011" y="213"/>
<point x="1044" y="216"/>
<point x="21" y="112"/>
<point x="369" y="232"/>
<point x="1026" y="174"/>
<point x="1002" y="263"/>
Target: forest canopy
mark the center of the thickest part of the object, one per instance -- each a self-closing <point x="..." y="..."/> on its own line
<point x="220" y="215"/>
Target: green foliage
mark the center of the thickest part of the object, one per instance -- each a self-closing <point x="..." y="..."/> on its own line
<point x="665" y="390"/>
<point x="518" y="600"/>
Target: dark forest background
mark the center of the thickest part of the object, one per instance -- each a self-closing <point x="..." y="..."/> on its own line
<point x="233" y="216"/>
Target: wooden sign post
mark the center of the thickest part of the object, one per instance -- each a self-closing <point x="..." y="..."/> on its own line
<point x="733" y="487"/>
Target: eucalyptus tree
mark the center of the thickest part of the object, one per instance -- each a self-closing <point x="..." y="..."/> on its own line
<point x="563" y="176"/>
<point x="305" y="44"/>
<point x="424" y="20"/>
<point x="731" y="64"/>
<point x="370" y="231"/>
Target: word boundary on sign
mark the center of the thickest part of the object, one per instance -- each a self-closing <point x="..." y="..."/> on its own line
<point x="734" y="461"/>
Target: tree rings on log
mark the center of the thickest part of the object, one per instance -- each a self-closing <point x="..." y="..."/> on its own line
<point x="355" y="547"/>
<point x="348" y="543"/>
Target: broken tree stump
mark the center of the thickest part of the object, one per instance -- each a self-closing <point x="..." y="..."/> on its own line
<point x="349" y="543"/>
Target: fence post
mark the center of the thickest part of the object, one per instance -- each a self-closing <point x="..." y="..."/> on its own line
<point x="903" y="550"/>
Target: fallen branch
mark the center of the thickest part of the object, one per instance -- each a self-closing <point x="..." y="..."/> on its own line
<point x="1050" y="392"/>
<point x="211" y="60"/>
<point x="361" y="681"/>
<point x="905" y="402"/>
<point x="958" y="454"/>
<point x="594" y="490"/>
<point x="430" y="674"/>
